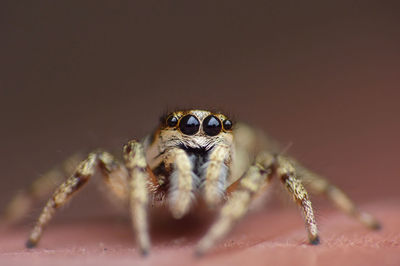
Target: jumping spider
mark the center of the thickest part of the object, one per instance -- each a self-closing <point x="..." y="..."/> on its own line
<point x="192" y="154"/>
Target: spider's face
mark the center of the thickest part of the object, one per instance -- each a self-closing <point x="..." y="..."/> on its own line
<point x="195" y="129"/>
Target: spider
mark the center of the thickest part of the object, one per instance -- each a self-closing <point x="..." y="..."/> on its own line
<point x="193" y="154"/>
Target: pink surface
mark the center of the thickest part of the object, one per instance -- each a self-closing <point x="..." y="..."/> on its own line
<point x="265" y="237"/>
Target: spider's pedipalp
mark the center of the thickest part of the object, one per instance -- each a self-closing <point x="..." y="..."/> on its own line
<point x="135" y="162"/>
<point x="215" y="174"/>
<point x="182" y="182"/>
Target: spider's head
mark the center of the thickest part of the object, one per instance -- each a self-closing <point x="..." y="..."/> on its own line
<point x="195" y="129"/>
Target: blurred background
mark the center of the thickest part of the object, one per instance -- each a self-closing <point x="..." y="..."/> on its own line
<point x="322" y="77"/>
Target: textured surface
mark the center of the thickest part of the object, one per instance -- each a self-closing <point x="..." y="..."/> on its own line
<point x="275" y="237"/>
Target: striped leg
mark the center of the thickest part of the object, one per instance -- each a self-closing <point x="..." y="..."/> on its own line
<point x="256" y="178"/>
<point x="288" y="176"/>
<point x="41" y="188"/>
<point x="135" y="162"/>
<point x="320" y="185"/>
<point x="64" y="192"/>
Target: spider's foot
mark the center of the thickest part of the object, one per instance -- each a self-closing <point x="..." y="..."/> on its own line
<point x="376" y="226"/>
<point x="199" y="252"/>
<point x="202" y="247"/>
<point x="30" y="243"/>
<point x="144" y="252"/>
<point x="315" y="241"/>
<point x="144" y="245"/>
<point x="370" y="221"/>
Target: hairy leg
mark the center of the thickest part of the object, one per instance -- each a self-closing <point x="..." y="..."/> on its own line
<point x="321" y="185"/>
<point x="135" y="162"/>
<point x="255" y="178"/>
<point x="64" y="192"/>
<point x="41" y="188"/>
<point x="288" y="176"/>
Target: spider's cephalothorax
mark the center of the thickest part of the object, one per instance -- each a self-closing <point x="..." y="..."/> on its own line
<point x="192" y="154"/>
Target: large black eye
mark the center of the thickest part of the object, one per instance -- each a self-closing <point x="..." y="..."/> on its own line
<point x="211" y="125"/>
<point x="189" y="125"/>
<point x="227" y="124"/>
<point x="172" y="121"/>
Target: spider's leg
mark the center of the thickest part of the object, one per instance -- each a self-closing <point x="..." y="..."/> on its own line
<point x="288" y="176"/>
<point x="255" y="178"/>
<point x="182" y="182"/>
<point x="135" y="162"/>
<point x="215" y="174"/>
<point x="320" y="185"/>
<point x="85" y="170"/>
<point x="41" y="188"/>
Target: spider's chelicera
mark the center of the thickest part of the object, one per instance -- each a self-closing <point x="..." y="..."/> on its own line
<point x="193" y="153"/>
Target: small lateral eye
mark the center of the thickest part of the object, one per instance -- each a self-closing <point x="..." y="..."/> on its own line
<point x="212" y="125"/>
<point x="172" y="121"/>
<point x="227" y="124"/>
<point x="189" y="125"/>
